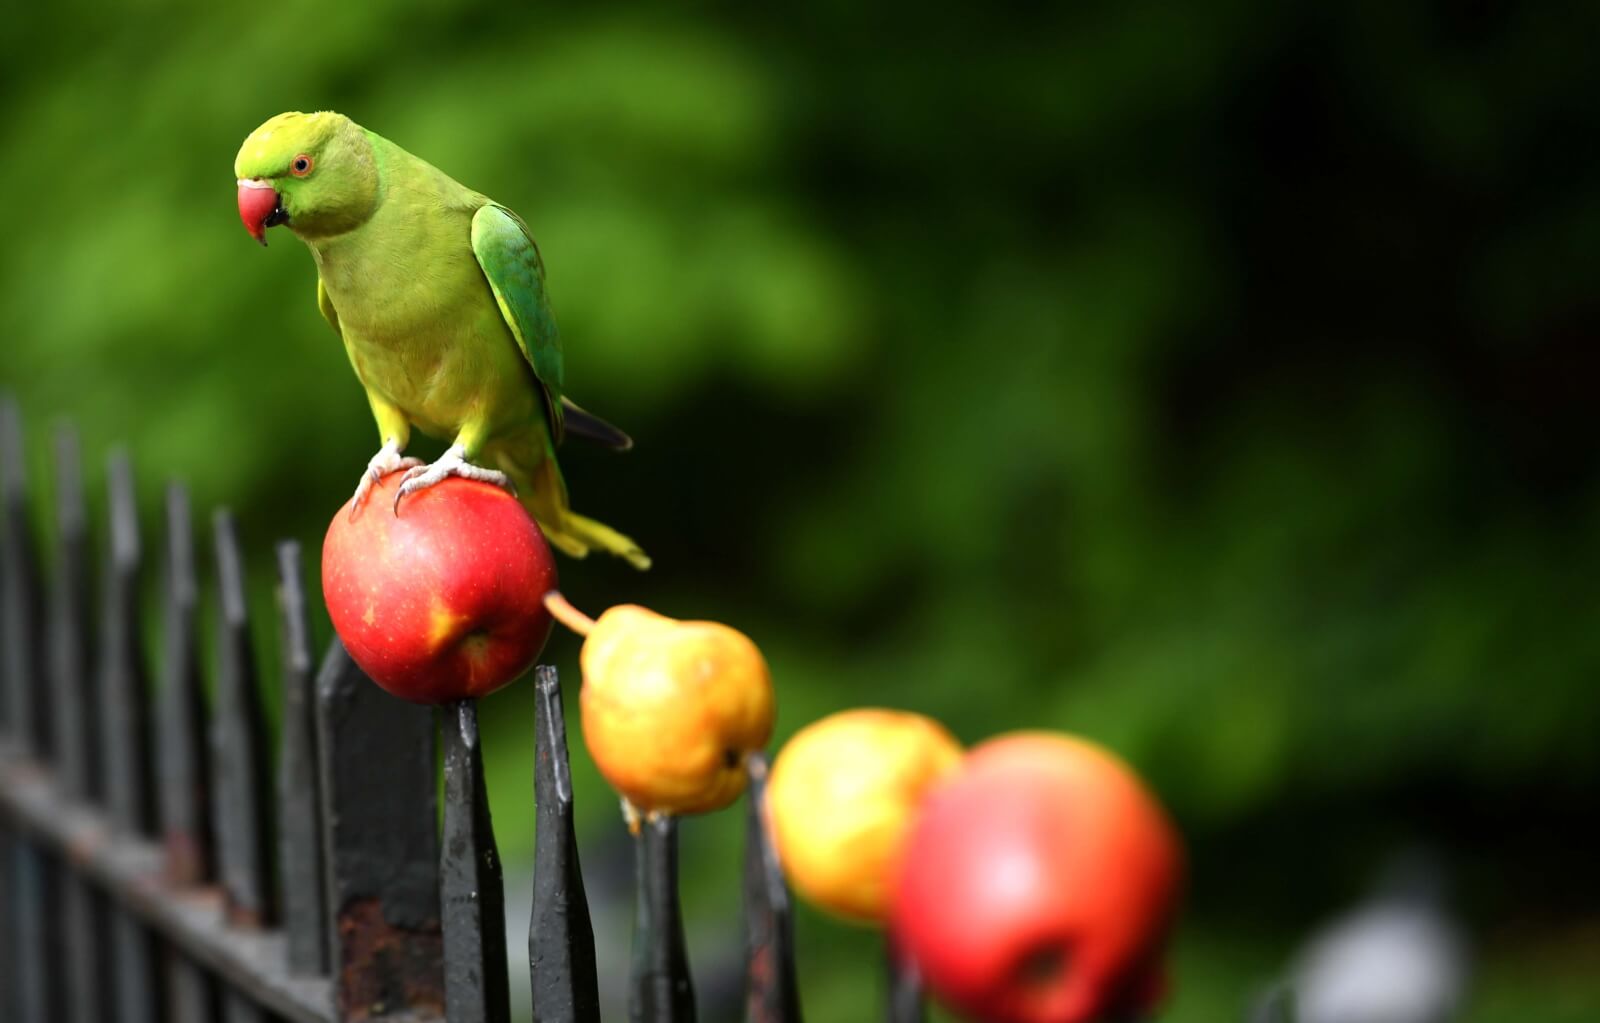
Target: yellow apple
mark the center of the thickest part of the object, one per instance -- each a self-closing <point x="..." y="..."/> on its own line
<point x="841" y="797"/>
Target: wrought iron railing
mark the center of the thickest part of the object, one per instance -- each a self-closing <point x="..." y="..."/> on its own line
<point x="154" y="870"/>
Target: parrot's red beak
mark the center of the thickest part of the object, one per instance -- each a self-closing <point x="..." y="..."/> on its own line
<point x="259" y="208"/>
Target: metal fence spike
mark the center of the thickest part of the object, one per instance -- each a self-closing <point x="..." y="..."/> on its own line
<point x="30" y="919"/>
<point x="299" y="778"/>
<point x="662" y="991"/>
<point x="191" y="993"/>
<point x="86" y="931"/>
<point x="476" y="989"/>
<point x="772" y="993"/>
<point x="38" y="901"/>
<point x="76" y="700"/>
<point x="561" y="957"/>
<point x="136" y="967"/>
<point x="381" y="834"/>
<point x="25" y="710"/>
<point x="85" y="917"/>
<point x="36" y="992"/>
<point x="906" y="1003"/>
<point x="10" y="926"/>
<point x="125" y="730"/>
<point x="185" y="789"/>
<point x="243" y="795"/>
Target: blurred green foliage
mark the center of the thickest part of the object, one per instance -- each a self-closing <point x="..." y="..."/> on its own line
<point x="1214" y="382"/>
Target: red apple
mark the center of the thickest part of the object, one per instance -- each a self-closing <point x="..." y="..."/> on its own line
<point x="443" y="601"/>
<point x="1038" y="885"/>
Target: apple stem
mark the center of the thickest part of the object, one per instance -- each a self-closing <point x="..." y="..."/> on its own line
<point x="561" y="610"/>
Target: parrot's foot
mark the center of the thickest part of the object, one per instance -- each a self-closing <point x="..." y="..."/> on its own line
<point x="451" y="463"/>
<point x="387" y="460"/>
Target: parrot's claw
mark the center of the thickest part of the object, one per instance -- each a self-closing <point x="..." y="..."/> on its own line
<point x="451" y="463"/>
<point x="387" y="460"/>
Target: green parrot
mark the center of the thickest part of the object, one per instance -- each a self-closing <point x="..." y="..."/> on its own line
<point x="438" y="294"/>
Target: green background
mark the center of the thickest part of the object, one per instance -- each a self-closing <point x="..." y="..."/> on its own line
<point x="1215" y="383"/>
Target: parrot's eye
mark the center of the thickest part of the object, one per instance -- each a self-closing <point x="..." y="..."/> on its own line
<point x="301" y="166"/>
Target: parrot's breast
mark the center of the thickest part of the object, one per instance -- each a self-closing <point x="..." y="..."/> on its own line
<point x="423" y="330"/>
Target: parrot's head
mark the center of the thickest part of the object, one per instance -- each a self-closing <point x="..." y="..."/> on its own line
<point x="313" y="172"/>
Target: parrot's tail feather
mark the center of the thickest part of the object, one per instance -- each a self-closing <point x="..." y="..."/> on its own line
<point x="567" y="545"/>
<point x="587" y="534"/>
<point x="585" y="424"/>
<point x="573" y="534"/>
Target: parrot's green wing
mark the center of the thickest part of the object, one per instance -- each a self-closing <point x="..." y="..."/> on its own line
<point x="510" y="260"/>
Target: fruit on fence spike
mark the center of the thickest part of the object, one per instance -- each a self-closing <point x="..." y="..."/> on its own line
<point x="1038" y="885"/>
<point x="841" y="796"/>
<point x="444" y="601"/>
<point x="671" y="709"/>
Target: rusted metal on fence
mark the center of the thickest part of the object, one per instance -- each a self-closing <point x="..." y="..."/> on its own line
<point x="382" y="839"/>
<point x="476" y="987"/>
<point x="772" y="992"/>
<point x="561" y="957"/>
<point x="300" y="847"/>
<point x="662" y="990"/>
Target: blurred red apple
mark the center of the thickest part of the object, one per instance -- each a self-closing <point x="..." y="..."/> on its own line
<point x="1038" y="884"/>
<point x="443" y="601"/>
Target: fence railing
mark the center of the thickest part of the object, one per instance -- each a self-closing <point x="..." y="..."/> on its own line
<point x="155" y="870"/>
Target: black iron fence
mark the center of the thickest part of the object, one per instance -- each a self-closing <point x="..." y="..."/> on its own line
<point x="155" y="870"/>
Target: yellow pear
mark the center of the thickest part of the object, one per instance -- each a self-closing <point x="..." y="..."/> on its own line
<point x="671" y="709"/>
